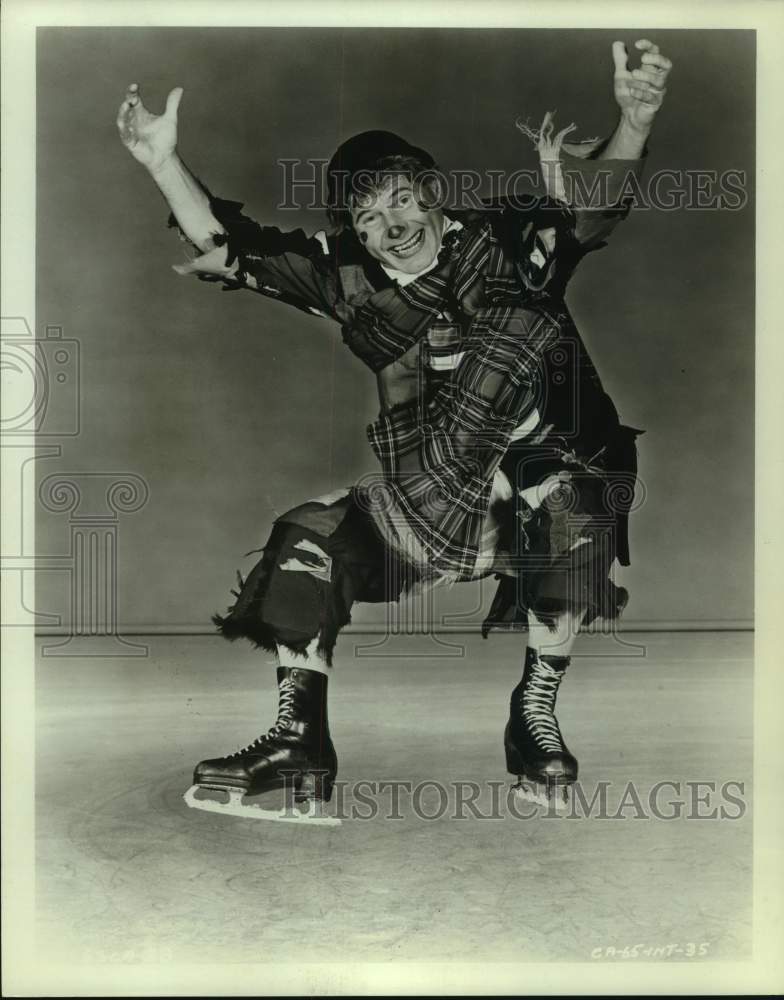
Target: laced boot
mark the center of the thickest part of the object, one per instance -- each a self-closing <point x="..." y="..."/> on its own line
<point x="296" y="752"/>
<point x="535" y="749"/>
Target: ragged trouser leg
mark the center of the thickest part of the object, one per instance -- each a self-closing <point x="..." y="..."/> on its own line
<point x="319" y="558"/>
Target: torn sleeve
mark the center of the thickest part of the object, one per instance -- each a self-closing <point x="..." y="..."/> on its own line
<point x="600" y="192"/>
<point x="285" y="265"/>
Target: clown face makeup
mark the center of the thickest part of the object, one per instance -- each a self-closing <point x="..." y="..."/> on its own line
<point x="395" y="225"/>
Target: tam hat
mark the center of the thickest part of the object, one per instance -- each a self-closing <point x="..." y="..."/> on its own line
<point x="366" y="152"/>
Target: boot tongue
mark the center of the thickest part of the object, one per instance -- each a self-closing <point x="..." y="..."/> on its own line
<point x="558" y="663"/>
<point x="311" y="681"/>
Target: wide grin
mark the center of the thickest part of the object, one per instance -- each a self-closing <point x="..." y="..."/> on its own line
<point x="410" y="247"/>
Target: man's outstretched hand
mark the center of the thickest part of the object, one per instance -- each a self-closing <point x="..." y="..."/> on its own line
<point x="640" y="92"/>
<point x="151" y="139"/>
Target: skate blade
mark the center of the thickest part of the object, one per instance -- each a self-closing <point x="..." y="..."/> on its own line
<point x="235" y="806"/>
<point x="549" y="796"/>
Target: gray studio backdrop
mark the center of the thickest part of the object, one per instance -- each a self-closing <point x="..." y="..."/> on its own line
<point x="232" y="408"/>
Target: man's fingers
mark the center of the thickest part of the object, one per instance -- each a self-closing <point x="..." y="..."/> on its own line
<point x="124" y="121"/>
<point x="647" y="95"/>
<point x="646" y="76"/>
<point x="620" y="58"/>
<point x="173" y="103"/>
<point x="644" y="44"/>
<point x="656" y="59"/>
<point x="656" y="62"/>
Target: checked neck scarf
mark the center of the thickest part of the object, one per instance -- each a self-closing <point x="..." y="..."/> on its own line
<point x="385" y="322"/>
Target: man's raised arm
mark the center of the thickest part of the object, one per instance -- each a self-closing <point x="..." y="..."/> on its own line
<point x="152" y="140"/>
<point x="233" y="249"/>
<point x="639" y="94"/>
<point x="596" y="177"/>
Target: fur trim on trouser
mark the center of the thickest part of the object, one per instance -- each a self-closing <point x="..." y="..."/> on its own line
<point x="280" y="606"/>
<point x="269" y="637"/>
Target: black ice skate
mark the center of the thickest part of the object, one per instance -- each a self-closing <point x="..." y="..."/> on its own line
<point x="296" y="755"/>
<point x="535" y="750"/>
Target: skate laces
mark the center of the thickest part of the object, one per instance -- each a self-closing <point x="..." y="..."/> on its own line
<point x="538" y="702"/>
<point x="286" y="694"/>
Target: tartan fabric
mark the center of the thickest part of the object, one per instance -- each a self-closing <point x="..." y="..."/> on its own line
<point x="438" y="454"/>
<point x="395" y="318"/>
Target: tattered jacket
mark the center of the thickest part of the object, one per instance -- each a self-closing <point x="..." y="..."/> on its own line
<point x="463" y="356"/>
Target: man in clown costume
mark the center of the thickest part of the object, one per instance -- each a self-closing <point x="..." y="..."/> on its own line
<point x="499" y="451"/>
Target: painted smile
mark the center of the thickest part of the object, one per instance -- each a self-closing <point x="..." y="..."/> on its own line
<point x="410" y="247"/>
